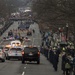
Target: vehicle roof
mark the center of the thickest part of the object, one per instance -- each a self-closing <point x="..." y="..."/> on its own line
<point x="15" y="41"/>
<point x="16" y="47"/>
<point x="31" y="47"/>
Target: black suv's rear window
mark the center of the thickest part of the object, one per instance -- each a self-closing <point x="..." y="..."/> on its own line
<point x="30" y="49"/>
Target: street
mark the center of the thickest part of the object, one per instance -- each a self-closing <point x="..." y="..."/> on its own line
<point x="15" y="67"/>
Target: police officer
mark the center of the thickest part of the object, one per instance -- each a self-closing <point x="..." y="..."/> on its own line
<point x="33" y="31"/>
<point x="51" y="55"/>
<point x="72" y="51"/>
<point x="74" y="65"/>
<point x="55" y="60"/>
<point x="68" y="49"/>
<point x="67" y="65"/>
<point x="63" y="62"/>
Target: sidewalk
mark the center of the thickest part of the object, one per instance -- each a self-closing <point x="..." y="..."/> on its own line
<point x="49" y="67"/>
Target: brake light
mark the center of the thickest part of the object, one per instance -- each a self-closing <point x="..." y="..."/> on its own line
<point x="22" y="52"/>
<point x="38" y="53"/>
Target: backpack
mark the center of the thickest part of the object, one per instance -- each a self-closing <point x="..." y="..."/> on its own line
<point x="67" y="66"/>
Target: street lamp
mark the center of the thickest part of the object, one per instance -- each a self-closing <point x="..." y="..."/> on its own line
<point x="66" y="32"/>
<point x="60" y="33"/>
<point x="59" y="28"/>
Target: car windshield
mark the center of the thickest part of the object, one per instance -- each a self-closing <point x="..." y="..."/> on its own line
<point x="17" y="49"/>
<point x="31" y="49"/>
<point x="6" y="42"/>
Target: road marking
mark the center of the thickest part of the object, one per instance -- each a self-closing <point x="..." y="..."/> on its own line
<point x="26" y="64"/>
<point x="23" y="73"/>
<point x="24" y="67"/>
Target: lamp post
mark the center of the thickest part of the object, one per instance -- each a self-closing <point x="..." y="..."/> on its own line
<point x="60" y="33"/>
<point x="66" y="32"/>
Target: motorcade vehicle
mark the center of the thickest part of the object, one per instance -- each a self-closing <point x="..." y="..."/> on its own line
<point x="7" y="46"/>
<point x="6" y="49"/>
<point x="14" y="53"/>
<point x="8" y="38"/>
<point x="27" y="39"/>
<point x="10" y="33"/>
<point x="23" y="26"/>
<point x="15" y="43"/>
<point x="9" y="43"/>
<point x="31" y="53"/>
<point x="29" y="33"/>
<point x="2" y="55"/>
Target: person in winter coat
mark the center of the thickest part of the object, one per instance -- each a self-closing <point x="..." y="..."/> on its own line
<point x="55" y="61"/>
<point x="58" y="51"/>
<point x="63" y="62"/>
<point x="33" y="31"/>
<point x="68" y="49"/>
<point x="67" y="65"/>
<point x="51" y="56"/>
<point x="72" y="51"/>
<point x="74" y="65"/>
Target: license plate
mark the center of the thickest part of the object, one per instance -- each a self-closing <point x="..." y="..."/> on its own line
<point x="30" y="54"/>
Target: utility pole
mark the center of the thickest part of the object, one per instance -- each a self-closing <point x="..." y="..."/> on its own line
<point x="66" y="32"/>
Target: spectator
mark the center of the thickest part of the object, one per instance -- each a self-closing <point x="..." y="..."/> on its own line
<point x="63" y="62"/>
<point x="55" y="60"/>
<point x="67" y="66"/>
<point x="74" y="65"/>
<point x="33" y="31"/>
<point x="51" y="55"/>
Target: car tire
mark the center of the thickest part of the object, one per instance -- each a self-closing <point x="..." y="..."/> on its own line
<point x="8" y="58"/>
<point x="23" y="61"/>
<point x="3" y="60"/>
<point x="38" y="61"/>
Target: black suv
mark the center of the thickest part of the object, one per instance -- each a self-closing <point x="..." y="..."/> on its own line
<point x="31" y="54"/>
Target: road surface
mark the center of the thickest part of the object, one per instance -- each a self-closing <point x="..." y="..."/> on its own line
<point x="15" y="67"/>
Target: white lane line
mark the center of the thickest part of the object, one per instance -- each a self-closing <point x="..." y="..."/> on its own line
<point x="23" y="73"/>
<point x="26" y="64"/>
<point x="24" y="67"/>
